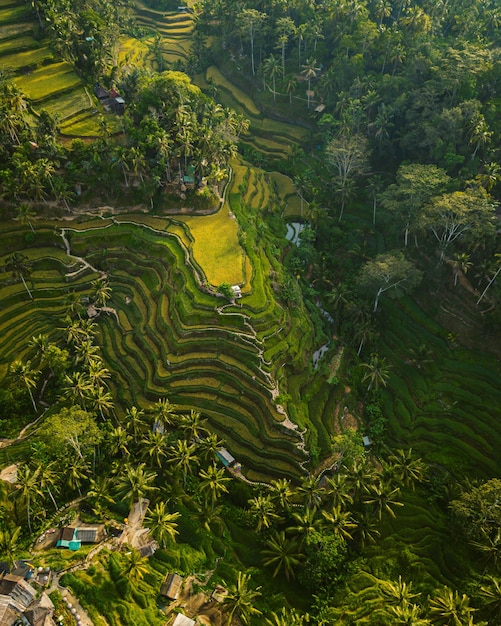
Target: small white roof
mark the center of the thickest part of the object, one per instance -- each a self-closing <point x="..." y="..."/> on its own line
<point x="182" y="620"/>
<point x="367" y="441"/>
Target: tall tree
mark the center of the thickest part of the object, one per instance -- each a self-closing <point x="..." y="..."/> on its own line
<point x="283" y="554"/>
<point x="251" y="21"/>
<point x="390" y="271"/>
<point x="240" y="600"/>
<point x="20" y="267"/>
<point x="162" y="524"/>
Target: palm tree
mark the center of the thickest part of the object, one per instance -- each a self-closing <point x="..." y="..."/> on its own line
<point x="9" y="544"/>
<point x="135" y="484"/>
<point x="212" y="483"/>
<point x="99" y="493"/>
<point x="305" y="522"/>
<point x="448" y="608"/>
<point x="490" y="594"/>
<point x="281" y="493"/>
<point x="102" y="291"/>
<point x="76" y="471"/>
<point x="164" y="413"/>
<point x="271" y="68"/>
<point x="25" y="212"/>
<point x="162" y="523"/>
<point x="77" y="388"/>
<point x="290" y="86"/>
<point x="263" y="511"/>
<point x="367" y="530"/>
<point x="102" y="400"/>
<point x="154" y="445"/>
<point x="97" y="372"/>
<point x="375" y="186"/>
<point x="338" y="491"/>
<point x="134" y="420"/>
<point x="183" y="456"/>
<point x="47" y="476"/>
<point x="287" y="617"/>
<point x="240" y="600"/>
<point x="23" y="373"/>
<point x="311" y="492"/>
<point x="208" y="447"/>
<point x="383" y="497"/>
<point x="407" y="468"/>
<point x="135" y="567"/>
<point x="193" y="425"/>
<point x="407" y="614"/>
<point x="339" y="522"/>
<point x="461" y="263"/>
<point x="377" y="374"/>
<point x="397" y="593"/>
<point x="20" y="267"/>
<point x="28" y="487"/>
<point x="119" y="440"/>
<point x="309" y="71"/>
<point x="282" y="553"/>
<point x="490" y="547"/>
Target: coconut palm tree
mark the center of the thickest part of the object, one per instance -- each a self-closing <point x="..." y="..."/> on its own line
<point x="406" y="468"/>
<point x="193" y="425"/>
<point x="77" y="388"/>
<point x="263" y="511"/>
<point x="183" y="456"/>
<point x="240" y="600"/>
<point x="119" y="441"/>
<point x="134" y="421"/>
<point x="75" y="471"/>
<point x="101" y="400"/>
<point x="383" y="498"/>
<point x="208" y="447"/>
<point x="309" y="71"/>
<point x="305" y="522"/>
<point x="20" y="267"/>
<point x="25" y="213"/>
<point x="9" y="544"/>
<point x="338" y="491"/>
<point x="47" y="476"/>
<point x="339" y="522"/>
<point x="311" y="492"/>
<point x="135" y="566"/>
<point x="164" y="413"/>
<point x="99" y="494"/>
<point x="154" y="445"/>
<point x="449" y="608"/>
<point x="283" y="554"/>
<point x="287" y="617"/>
<point x="271" y="69"/>
<point x="162" y="524"/>
<point x="397" y="593"/>
<point x="135" y="483"/>
<point x="377" y="372"/>
<point x="102" y="291"/>
<point x="23" y="373"/>
<point x="490" y="594"/>
<point x="213" y="483"/>
<point x="406" y="614"/>
<point x="367" y="530"/>
<point x="28" y="488"/>
<point x="282" y="493"/>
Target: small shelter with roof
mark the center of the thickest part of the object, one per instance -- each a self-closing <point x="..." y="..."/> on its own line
<point x="225" y="457"/>
<point x="73" y="538"/>
<point x="182" y="620"/>
<point x="171" y="586"/>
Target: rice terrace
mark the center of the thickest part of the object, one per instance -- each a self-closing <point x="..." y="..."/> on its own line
<point x="250" y="313"/>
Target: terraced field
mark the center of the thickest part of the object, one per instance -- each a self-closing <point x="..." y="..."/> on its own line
<point x="170" y="337"/>
<point x="49" y="82"/>
<point x="444" y="409"/>
<point x="270" y="137"/>
<point x="174" y="30"/>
